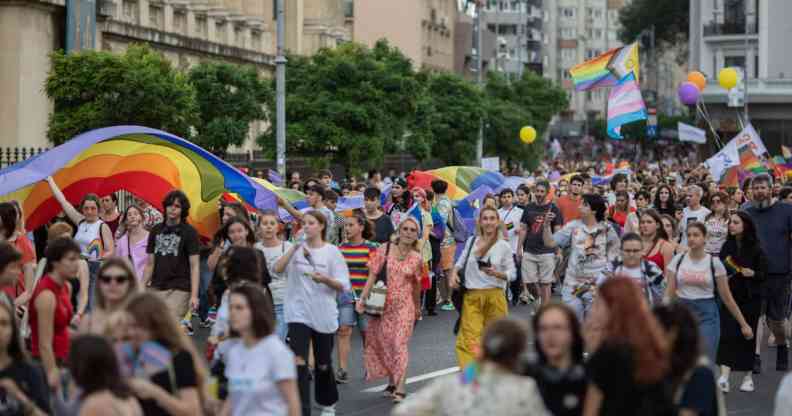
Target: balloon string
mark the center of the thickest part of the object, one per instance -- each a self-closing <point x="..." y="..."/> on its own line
<point x="702" y="110"/>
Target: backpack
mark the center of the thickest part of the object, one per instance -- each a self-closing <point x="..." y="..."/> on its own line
<point x="653" y="284"/>
<point x="457" y="226"/>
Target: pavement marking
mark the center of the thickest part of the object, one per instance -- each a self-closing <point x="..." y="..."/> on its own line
<point x="410" y="380"/>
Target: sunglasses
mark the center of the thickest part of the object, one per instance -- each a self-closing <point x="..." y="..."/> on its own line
<point x="118" y="279"/>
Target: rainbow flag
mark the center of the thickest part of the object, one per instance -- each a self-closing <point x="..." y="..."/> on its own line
<point x="147" y="162"/>
<point x="625" y="105"/>
<point x="594" y="73"/>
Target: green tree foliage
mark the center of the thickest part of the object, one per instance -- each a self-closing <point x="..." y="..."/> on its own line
<point x="509" y="106"/>
<point x="671" y="19"/>
<point x="343" y="104"/>
<point x="93" y="89"/>
<point x="446" y="120"/>
<point x="229" y="98"/>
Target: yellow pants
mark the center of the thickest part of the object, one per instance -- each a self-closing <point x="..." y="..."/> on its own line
<point x="480" y="307"/>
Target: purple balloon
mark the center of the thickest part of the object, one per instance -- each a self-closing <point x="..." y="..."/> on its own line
<point x="688" y="93"/>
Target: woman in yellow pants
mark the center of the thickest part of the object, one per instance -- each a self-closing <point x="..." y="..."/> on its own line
<point x="488" y="267"/>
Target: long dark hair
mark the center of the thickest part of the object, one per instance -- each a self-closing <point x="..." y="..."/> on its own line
<point x="94" y="366"/>
<point x="686" y="349"/>
<point x="578" y="344"/>
<point x="222" y="234"/>
<point x="670" y="204"/>
<point x="749" y="238"/>
<point x="368" y="227"/>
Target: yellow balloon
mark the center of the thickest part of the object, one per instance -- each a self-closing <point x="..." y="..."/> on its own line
<point x="727" y="77"/>
<point x="527" y="134"/>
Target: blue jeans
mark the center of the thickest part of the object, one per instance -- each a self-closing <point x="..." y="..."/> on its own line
<point x="708" y="316"/>
<point x="580" y="304"/>
<point x="281" y="327"/>
<point x="205" y="277"/>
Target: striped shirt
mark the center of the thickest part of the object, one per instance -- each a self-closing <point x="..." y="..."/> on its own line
<point x="357" y="258"/>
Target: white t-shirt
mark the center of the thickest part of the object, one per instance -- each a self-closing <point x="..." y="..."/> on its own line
<point x="694" y="279"/>
<point x="689" y="216"/>
<point x="308" y="302"/>
<point x="500" y="256"/>
<point x="278" y="280"/>
<point x="717" y="232"/>
<point x="511" y="221"/>
<point x="253" y="374"/>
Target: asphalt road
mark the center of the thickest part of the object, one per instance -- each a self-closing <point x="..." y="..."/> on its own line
<point x="432" y="356"/>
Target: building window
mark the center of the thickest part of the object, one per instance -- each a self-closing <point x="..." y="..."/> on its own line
<point x="130" y="11"/>
<point x="568" y="33"/>
<point x="202" y="26"/>
<point x="155" y="17"/>
<point x="255" y="40"/>
<point x="597" y="33"/>
<point x="568" y="12"/>
<point x="179" y="22"/>
<point x="568" y="54"/>
<point x="736" y="61"/>
<point x="597" y="13"/>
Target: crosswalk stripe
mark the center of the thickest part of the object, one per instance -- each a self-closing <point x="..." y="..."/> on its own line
<point x="416" y="379"/>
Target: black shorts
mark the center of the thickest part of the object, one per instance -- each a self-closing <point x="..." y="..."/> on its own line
<point x="777" y="297"/>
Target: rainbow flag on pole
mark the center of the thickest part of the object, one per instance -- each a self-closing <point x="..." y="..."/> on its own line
<point x="594" y="73"/>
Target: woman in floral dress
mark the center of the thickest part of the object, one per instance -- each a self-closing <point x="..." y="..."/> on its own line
<point x="387" y="336"/>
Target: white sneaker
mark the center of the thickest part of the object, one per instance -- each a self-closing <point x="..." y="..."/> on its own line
<point x="723" y="383"/>
<point x="327" y="410"/>
<point x="747" y="385"/>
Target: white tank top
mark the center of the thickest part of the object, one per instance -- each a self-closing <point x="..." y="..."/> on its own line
<point x="89" y="238"/>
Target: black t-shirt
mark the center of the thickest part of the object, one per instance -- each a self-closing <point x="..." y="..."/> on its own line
<point x="30" y="379"/>
<point x="182" y="376"/>
<point x="383" y="229"/>
<point x="611" y="368"/>
<point x="699" y="394"/>
<point x="534" y="242"/>
<point x="563" y="392"/>
<point x="172" y="246"/>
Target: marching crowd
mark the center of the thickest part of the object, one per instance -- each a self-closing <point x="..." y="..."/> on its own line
<point x="665" y="284"/>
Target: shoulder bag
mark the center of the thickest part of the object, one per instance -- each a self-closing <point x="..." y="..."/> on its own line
<point x="458" y="294"/>
<point x="375" y="303"/>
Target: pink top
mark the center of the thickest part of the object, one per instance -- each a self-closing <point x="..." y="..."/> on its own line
<point x="138" y="252"/>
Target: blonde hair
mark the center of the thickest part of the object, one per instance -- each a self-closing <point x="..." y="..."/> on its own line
<point x="416" y="243"/>
<point x="480" y="231"/>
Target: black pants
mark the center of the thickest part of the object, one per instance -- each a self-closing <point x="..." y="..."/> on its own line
<point x="517" y="285"/>
<point x="325" y="389"/>
<point x="430" y="300"/>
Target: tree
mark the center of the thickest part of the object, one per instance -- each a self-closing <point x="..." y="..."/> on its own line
<point x="229" y="98"/>
<point x="343" y="104"/>
<point x="93" y="89"/>
<point x="446" y="120"/>
<point x="529" y="101"/>
<point x="671" y="19"/>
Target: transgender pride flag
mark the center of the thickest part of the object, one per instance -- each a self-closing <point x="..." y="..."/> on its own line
<point x="625" y="105"/>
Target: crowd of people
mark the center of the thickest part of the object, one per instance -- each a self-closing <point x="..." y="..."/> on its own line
<point x="647" y="290"/>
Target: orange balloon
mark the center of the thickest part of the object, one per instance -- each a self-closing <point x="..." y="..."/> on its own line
<point x="698" y="79"/>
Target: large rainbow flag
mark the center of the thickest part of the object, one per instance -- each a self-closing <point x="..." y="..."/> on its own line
<point x="147" y="162"/>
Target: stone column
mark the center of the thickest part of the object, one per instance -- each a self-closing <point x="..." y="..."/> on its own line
<point x="247" y="38"/>
<point x="167" y="13"/>
<point x="719" y="61"/>
<point x="191" y="28"/>
<point x="230" y="39"/>
<point x="143" y="13"/>
<point x="749" y="65"/>
<point x="211" y="29"/>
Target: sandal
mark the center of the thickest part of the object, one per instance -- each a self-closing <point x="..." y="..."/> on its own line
<point x="398" y="397"/>
<point x="388" y="392"/>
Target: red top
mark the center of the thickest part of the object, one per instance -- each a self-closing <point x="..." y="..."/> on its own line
<point x="25" y="247"/>
<point x="657" y="258"/>
<point x="63" y="315"/>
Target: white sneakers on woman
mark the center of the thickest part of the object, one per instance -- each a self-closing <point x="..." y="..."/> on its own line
<point x="746" y="386"/>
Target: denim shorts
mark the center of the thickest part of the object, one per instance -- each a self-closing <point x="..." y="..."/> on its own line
<point x="348" y="316"/>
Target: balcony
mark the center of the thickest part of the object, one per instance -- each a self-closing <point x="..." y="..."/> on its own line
<point x="729" y="29"/>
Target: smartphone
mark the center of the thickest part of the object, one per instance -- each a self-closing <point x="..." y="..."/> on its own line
<point x="484" y="264"/>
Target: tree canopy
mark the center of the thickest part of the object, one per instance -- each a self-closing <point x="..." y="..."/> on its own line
<point x="93" y="89"/>
<point x="229" y="98"/>
<point x="671" y="19"/>
<point x="343" y="104"/>
<point x="529" y="101"/>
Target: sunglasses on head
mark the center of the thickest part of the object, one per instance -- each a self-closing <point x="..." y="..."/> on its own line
<point x="118" y="278"/>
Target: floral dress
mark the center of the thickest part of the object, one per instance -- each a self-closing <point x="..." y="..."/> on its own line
<point x="387" y="336"/>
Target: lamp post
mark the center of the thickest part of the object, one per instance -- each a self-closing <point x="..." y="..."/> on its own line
<point x="280" y="93"/>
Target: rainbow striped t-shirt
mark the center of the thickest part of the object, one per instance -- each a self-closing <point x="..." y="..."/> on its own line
<point x="357" y="257"/>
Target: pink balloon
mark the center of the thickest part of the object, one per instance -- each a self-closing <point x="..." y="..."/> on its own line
<point x="688" y="93"/>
